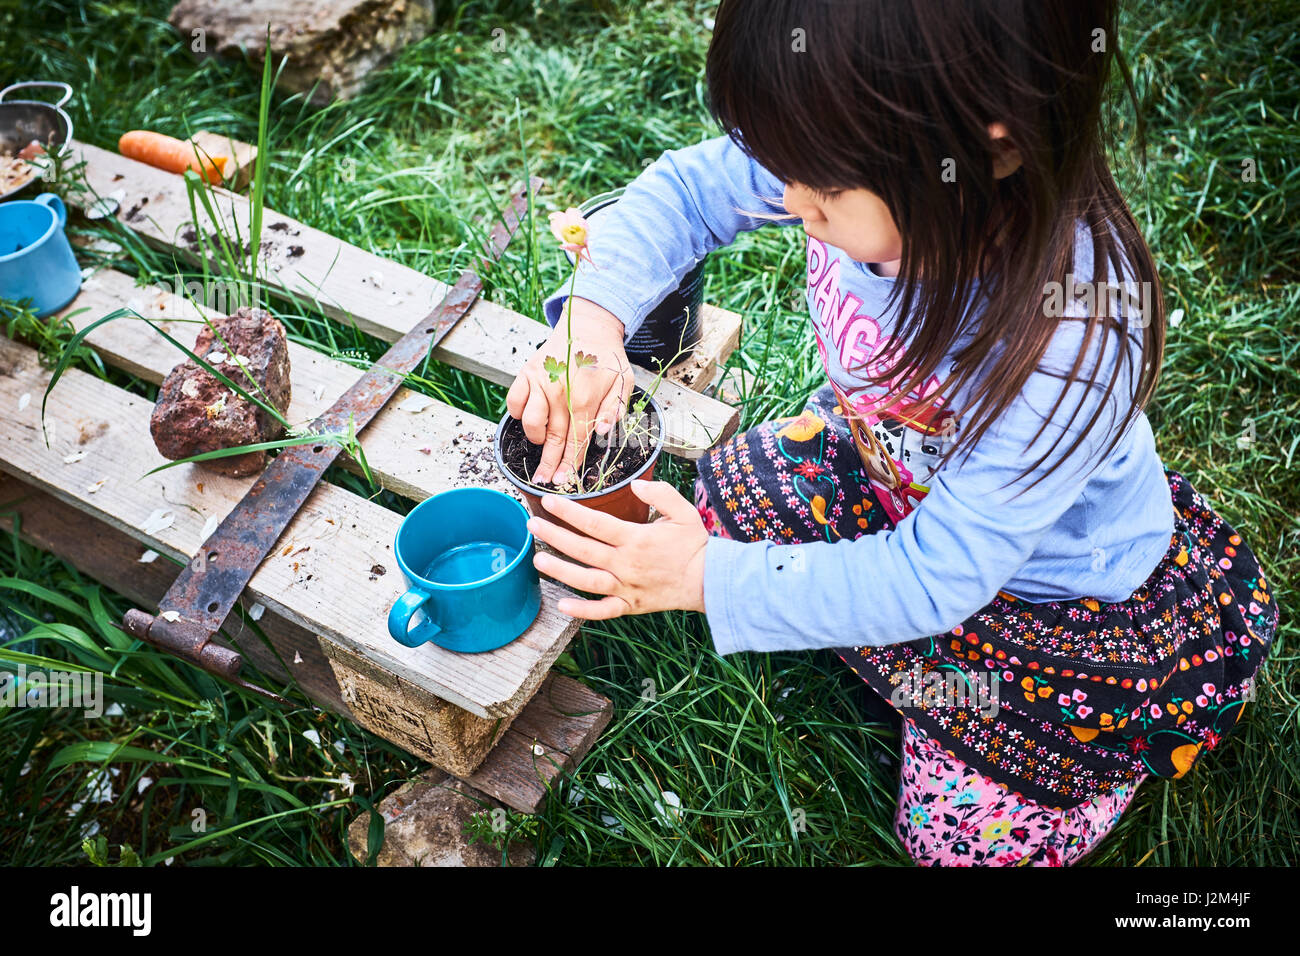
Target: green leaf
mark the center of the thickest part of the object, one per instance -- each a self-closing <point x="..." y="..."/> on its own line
<point x="69" y="355"/>
<point x="96" y="850"/>
<point x="554" y="367"/>
<point x="321" y="439"/>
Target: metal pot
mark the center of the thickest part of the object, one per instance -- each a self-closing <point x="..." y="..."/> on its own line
<point x="22" y="121"/>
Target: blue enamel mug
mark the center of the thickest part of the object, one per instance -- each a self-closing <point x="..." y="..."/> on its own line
<point x="467" y="555"/>
<point x="36" y="261"/>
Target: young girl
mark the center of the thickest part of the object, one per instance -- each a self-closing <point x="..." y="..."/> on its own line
<point x="974" y="499"/>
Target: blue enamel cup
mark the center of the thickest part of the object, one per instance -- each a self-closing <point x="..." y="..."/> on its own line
<point x="36" y="261"/>
<point x="467" y="555"/>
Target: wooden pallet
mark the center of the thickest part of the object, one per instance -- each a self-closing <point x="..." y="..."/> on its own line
<point x="498" y="721"/>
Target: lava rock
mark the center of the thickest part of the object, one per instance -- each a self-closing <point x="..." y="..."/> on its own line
<point x="197" y="413"/>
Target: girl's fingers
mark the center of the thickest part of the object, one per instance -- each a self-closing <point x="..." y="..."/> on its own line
<point x="587" y="550"/>
<point x="517" y="397"/>
<point x="665" y="499"/>
<point x="592" y="580"/>
<point x="589" y="521"/>
<point x="611" y="408"/>
<point x="554" y="441"/>
<point x="535" y="414"/>
<point x="602" y="610"/>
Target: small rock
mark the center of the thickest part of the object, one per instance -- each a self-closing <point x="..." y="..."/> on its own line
<point x="196" y="413"/>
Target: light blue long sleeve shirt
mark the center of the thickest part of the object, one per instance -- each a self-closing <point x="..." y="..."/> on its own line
<point x="1096" y="526"/>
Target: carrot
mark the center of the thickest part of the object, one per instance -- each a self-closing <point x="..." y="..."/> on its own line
<point x="171" y="154"/>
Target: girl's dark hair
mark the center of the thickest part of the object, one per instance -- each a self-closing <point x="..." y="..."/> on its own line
<point x="886" y="95"/>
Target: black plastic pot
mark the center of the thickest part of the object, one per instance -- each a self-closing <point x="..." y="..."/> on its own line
<point x="672" y="329"/>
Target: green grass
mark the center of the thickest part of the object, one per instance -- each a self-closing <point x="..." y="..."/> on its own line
<point x="590" y="92"/>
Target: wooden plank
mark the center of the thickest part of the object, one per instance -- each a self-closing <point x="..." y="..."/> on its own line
<point x="359" y="288"/>
<point x="719" y="337"/>
<point x="565" y="717"/>
<point x="558" y="728"/>
<point x="339" y="544"/>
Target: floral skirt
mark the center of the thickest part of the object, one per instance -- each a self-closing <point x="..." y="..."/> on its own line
<point x="1091" y="697"/>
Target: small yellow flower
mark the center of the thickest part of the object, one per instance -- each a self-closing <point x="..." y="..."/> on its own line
<point x="570" y="228"/>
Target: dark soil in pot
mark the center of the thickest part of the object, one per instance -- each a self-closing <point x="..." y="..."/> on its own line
<point x="632" y="453"/>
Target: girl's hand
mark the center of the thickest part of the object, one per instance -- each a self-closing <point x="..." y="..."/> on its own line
<point x="600" y="392"/>
<point x="641" y="567"/>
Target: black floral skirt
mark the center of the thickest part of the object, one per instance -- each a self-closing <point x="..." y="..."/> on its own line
<point x="1090" y="695"/>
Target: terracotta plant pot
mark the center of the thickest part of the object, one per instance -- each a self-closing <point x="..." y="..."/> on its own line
<point x="616" y="499"/>
<point x="674" y="325"/>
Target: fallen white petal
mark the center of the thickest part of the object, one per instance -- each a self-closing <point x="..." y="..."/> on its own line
<point x="96" y="486"/>
<point x="100" y="788"/>
<point x="158" y="520"/>
<point x="539" y="750"/>
<point x="75" y="457"/>
<point x="172" y="616"/>
<point x="318" y="392"/>
<point x="671" y="800"/>
<point x="168" y="861"/>
<point x="143" y="785"/>
<point x="88" y="830"/>
<point x="256" y="611"/>
<point x="313" y="736"/>
<point x="340" y="746"/>
<point x="105" y="205"/>
<point x="1176" y="317"/>
<point x="113" y="710"/>
<point x="416" y="403"/>
<point x="24" y="401"/>
<point x="377" y="278"/>
<point x="297" y="658"/>
<point x="345" y="780"/>
<point x="209" y="526"/>
<point x="149" y="557"/>
<point x="216" y="357"/>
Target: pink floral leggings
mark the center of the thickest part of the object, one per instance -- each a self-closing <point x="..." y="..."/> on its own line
<point x="950" y="815"/>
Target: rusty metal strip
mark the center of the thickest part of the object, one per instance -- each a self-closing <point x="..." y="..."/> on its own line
<point x="196" y="605"/>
